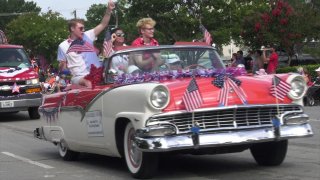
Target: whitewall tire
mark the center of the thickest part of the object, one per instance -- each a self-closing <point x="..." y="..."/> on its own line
<point x="65" y="153"/>
<point x="140" y="164"/>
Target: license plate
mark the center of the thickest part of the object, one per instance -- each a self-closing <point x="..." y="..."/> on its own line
<point x="6" y="104"/>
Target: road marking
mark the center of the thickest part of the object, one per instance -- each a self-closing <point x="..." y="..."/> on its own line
<point x="28" y="160"/>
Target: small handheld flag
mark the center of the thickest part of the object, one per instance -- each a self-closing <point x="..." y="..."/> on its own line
<point x="206" y="35"/>
<point x="107" y="44"/>
<point x="192" y="97"/>
<point x="279" y="88"/>
<point x="79" y="46"/>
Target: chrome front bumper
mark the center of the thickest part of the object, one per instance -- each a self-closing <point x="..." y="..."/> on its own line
<point x="22" y="102"/>
<point x="221" y="138"/>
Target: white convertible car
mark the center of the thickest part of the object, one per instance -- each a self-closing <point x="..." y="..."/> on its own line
<point x="181" y="98"/>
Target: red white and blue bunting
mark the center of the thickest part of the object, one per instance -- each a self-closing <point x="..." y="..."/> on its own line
<point x="167" y="75"/>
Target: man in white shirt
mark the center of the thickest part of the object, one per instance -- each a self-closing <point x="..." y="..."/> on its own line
<point x="77" y="31"/>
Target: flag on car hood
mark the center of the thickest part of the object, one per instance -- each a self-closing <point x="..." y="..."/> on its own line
<point x="279" y="88"/>
<point x="192" y="98"/>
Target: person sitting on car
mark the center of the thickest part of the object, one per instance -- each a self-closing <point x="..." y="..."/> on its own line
<point x="76" y="63"/>
<point x="147" y="61"/>
<point x="172" y="61"/>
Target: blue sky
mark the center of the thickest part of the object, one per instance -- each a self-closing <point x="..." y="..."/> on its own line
<point x="66" y="7"/>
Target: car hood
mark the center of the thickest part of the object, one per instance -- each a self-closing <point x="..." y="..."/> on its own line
<point x="17" y="74"/>
<point x="256" y="90"/>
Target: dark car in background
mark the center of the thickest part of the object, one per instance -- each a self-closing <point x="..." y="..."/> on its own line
<point x="297" y="59"/>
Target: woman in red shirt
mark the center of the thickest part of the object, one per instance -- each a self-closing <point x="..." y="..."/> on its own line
<point x="146" y="61"/>
<point x="146" y="31"/>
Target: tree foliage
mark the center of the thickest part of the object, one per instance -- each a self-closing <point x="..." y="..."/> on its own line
<point x="8" y="9"/>
<point x="245" y="22"/>
<point x="288" y="24"/>
<point x="179" y="20"/>
<point x="39" y="34"/>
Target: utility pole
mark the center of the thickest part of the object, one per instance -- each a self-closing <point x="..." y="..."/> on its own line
<point x="74" y="13"/>
<point x="116" y="15"/>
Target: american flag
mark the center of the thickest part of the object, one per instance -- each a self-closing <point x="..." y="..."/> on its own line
<point x="192" y="98"/>
<point x="207" y="36"/>
<point x="226" y="85"/>
<point x="3" y="38"/>
<point x="15" y="88"/>
<point x="79" y="46"/>
<point x="223" y="95"/>
<point x="279" y="88"/>
<point x="107" y="44"/>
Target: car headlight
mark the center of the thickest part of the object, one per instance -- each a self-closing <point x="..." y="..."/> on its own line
<point x="159" y="97"/>
<point x="32" y="81"/>
<point x="298" y="87"/>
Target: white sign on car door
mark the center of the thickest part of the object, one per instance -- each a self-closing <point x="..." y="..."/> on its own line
<point x="94" y="123"/>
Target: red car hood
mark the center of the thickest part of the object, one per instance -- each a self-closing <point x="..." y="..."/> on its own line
<point x="12" y="74"/>
<point x="256" y="89"/>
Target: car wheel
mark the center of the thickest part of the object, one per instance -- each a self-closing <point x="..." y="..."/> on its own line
<point x="66" y="153"/>
<point x="270" y="153"/>
<point x="33" y="112"/>
<point x="140" y="164"/>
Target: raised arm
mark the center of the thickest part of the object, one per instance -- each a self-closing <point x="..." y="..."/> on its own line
<point x="106" y="19"/>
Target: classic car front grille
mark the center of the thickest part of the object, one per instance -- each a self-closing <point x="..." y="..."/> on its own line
<point x="9" y="93"/>
<point x="231" y="118"/>
<point x="9" y="83"/>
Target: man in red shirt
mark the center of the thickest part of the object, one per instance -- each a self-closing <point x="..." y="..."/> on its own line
<point x="272" y="60"/>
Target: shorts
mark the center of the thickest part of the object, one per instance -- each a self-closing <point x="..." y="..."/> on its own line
<point x="76" y="79"/>
<point x="47" y="85"/>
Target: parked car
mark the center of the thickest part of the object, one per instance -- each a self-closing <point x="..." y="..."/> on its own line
<point x="175" y="98"/>
<point x="19" y="83"/>
<point x="297" y="59"/>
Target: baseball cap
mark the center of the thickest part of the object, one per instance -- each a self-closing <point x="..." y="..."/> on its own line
<point x="171" y="58"/>
<point x="133" y="69"/>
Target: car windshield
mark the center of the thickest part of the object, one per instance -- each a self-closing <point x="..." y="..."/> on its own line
<point x="13" y="57"/>
<point x="159" y="60"/>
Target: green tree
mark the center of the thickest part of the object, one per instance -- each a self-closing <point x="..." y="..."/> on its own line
<point x="119" y="18"/>
<point x="39" y="34"/>
<point x="10" y="10"/>
<point x="284" y="24"/>
<point x="95" y="14"/>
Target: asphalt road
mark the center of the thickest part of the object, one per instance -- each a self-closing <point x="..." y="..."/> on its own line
<point x="23" y="157"/>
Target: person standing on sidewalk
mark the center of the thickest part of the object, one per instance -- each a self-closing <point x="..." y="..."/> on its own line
<point x="272" y="60"/>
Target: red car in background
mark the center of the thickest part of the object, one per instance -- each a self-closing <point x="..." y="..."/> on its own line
<point x="19" y="83"/>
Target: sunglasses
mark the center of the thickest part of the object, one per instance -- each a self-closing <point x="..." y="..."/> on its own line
<point x="120" y="34"/>
<point x="81" y="28"/>
<point x="149" y="29"/>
